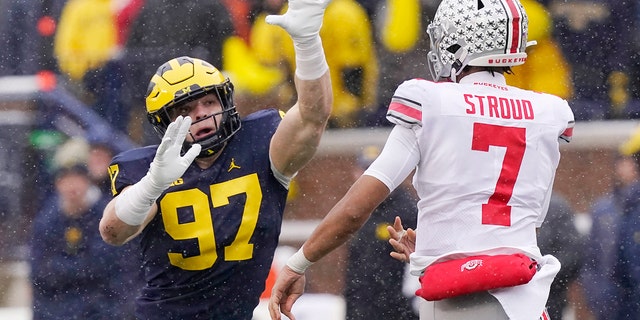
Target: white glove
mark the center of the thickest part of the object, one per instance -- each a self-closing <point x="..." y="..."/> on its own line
<point x="132" y="206"/>
<point x="168" y="165"/>
<point x="302" y="20"/>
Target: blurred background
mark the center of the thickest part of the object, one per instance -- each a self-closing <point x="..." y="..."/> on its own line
<point x="78" y="69"/>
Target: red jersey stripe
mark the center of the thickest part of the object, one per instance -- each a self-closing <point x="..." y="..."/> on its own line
<point x="545" y="315"/>
<point x="568" y="132"/>
<point x="406" y="110"/>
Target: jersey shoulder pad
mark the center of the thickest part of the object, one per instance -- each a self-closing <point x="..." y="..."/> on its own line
<point x="563" y="113"/>
<point x="130" y="166"/>
<point x="405" y="108"/>
<point x="261" y="114"/>
<point x="262" y="122"/>
<point x="568" y="117"/>
<point x="136" y="154"/>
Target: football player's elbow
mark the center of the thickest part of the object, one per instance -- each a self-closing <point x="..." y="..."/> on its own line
<point x="354" y="216"/>
<point x="110" y="234"/>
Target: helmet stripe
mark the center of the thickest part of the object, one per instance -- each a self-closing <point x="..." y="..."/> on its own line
<point x="514" y="33"/>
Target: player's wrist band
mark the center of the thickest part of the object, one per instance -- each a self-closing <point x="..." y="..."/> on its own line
<point x="311" y="63"/>
<point x="298" y="262"/>
<point x="133" y="204"/>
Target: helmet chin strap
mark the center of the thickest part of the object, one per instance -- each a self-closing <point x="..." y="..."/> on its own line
<point x="453" y="75"/>
<point x="462" y="56"/>
<point x="209" y="151"/>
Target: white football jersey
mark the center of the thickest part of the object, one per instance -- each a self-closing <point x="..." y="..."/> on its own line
<point x="488" y="157"/>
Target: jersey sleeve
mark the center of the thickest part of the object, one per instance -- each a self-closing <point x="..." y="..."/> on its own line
<point x="129" y="167"/>
<point x="405" y="109"/>
<point x="398" y="158"/>
<point x="567" y="133"/>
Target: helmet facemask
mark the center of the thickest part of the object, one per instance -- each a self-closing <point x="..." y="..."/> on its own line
<point x="229" y="124"/>
<point x="439" y="64"/>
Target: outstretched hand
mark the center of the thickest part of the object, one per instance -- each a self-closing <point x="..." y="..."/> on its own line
<point x="303" y="18"/>
<point x="403" y="241"/>
<point x="168" y="165"/>
<point x="288" y="288"/>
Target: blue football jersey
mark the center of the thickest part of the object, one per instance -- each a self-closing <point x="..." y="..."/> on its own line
<point x="208" y="251"/>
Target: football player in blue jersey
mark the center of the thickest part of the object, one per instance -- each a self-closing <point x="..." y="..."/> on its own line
<point x="206" y="205"/>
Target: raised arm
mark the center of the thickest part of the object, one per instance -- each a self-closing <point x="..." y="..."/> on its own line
<point x="298" y="136"/>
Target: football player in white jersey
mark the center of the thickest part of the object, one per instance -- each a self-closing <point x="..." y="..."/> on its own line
<point x="485" y="156"/>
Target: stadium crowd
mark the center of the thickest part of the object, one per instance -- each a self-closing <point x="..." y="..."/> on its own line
<point x="105" y="50"/>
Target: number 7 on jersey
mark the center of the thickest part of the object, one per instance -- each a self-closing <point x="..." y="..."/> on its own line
<point x="497" y="211"/>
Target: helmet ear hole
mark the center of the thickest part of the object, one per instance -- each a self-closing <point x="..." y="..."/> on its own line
<point x="152" y="119"/>
<point x="454" y="48"/>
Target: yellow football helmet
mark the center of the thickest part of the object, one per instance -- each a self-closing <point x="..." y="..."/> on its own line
<point x="185" y="79"/>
